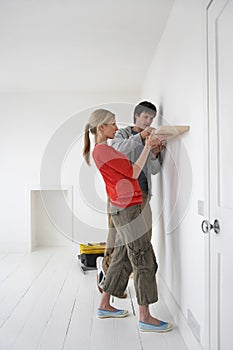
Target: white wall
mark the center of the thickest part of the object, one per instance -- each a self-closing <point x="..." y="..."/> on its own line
<point x="176" y="82"/>
<point x="28" y="126"/>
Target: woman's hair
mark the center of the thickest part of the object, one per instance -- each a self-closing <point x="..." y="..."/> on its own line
<point x="97" y="118"/>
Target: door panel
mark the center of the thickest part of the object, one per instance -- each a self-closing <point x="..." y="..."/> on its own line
<point x="220" y="66"/>
<point x="224" y="49"/>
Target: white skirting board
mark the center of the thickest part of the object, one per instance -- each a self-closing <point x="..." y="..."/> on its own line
<point x="178" y="317"/>
<point x="16" y="247"/>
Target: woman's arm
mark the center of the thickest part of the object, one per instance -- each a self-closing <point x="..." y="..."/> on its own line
<point x="140" y="162"/>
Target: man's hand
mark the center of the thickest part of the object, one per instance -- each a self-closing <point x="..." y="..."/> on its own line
<point x="155" y="143"/>
<point x="159" y="148"/>
<point x="146" y="132"/>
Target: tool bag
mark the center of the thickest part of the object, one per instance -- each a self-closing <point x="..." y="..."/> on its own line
<point x="89" y="252"/>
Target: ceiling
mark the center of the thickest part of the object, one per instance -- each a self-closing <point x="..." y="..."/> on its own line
<point x="78" y="45"/>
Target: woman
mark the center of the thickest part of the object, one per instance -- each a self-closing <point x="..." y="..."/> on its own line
<point x="132" y="232"/>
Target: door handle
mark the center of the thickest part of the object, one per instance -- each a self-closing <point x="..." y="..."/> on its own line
<point x="206" y="226"/>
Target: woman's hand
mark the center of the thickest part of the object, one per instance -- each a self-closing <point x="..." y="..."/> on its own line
<point x="146" y="132"/>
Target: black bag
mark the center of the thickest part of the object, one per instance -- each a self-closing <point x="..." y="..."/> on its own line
<point x="90" y="252"/>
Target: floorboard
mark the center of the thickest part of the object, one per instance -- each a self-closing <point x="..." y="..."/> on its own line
<point x="47" y="303"/>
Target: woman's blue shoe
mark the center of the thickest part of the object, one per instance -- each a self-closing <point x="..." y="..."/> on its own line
<point x="112" y="314"/>
<point x="148" y="327"/>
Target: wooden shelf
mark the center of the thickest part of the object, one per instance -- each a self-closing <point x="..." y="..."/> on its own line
<point x="168" y="132"/>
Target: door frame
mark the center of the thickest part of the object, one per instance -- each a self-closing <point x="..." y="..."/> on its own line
<point x="208" y="295"/>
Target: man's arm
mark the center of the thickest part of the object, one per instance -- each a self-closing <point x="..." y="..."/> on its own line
<point x="156" y="158"/>
<point x="125" y="144"/>
<point x="155" y="164"/>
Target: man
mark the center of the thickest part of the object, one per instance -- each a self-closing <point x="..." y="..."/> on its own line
<point x="130" y="141"/>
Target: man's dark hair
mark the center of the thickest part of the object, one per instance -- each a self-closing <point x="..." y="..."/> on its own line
<point x="144" y="106"/>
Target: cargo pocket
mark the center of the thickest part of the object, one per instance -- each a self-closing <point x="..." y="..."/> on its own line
<point x="114" y="212"/>
<point x="139" y="255"/>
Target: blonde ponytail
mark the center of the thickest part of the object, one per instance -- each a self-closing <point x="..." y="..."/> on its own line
<point x="98" y="117"/>
<point x="87" y="144"/>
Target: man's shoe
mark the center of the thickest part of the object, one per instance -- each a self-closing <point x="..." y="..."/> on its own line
<point x="112" y="314"/>
<point x="100" y="274"/>
<point x="148" y="327"/>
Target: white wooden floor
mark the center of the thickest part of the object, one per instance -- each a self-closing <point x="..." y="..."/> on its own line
<point x="47" y="303"/>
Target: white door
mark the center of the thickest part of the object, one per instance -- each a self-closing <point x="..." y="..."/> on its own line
<point x="220" y="64"/>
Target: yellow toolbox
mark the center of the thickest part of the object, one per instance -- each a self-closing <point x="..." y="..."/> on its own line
<point x="89" y="252"/>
